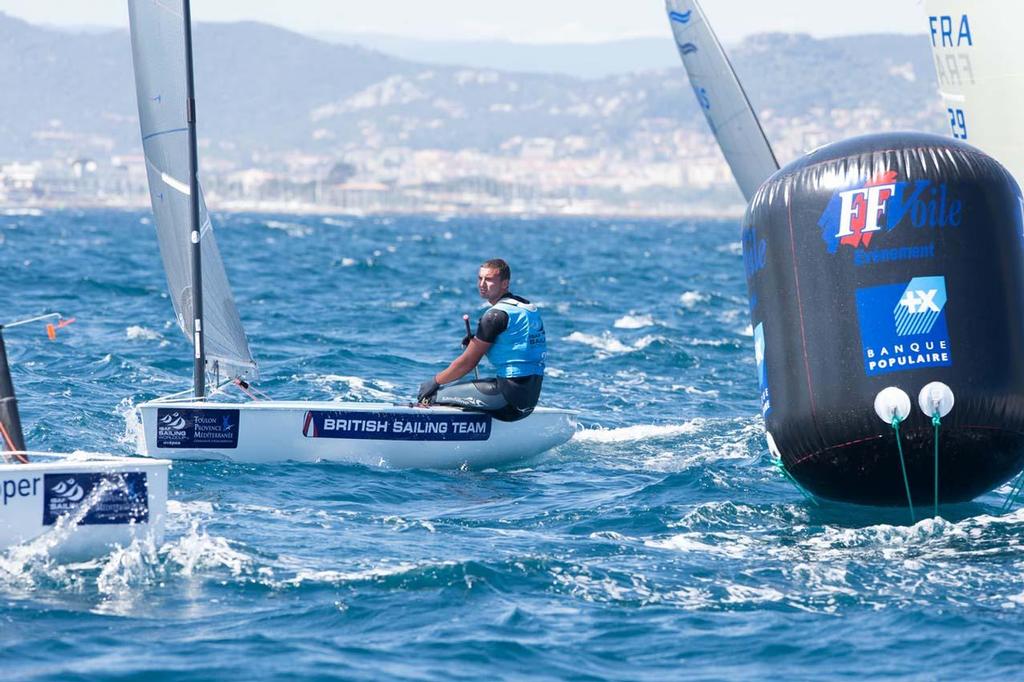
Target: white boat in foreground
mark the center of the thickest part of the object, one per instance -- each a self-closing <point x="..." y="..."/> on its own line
<point x="376" y="434"/>
<point x="80" y="505"/>
<point x="263" y="430"/>
<point x="75" y="505"/>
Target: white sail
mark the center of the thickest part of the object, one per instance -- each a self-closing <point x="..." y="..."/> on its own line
<point x="158" y="54"/>
<point x="721" y="97"/>
<point x="979" y="62"/>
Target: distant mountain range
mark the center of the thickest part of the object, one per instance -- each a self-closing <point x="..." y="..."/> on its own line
<point x="262" y="90"/>
<point x="582" y="60"/>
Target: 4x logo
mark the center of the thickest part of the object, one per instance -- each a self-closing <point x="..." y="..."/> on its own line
<point x="920" y="305"/>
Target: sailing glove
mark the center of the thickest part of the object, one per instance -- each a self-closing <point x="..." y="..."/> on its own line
<point x="427" y="390"/>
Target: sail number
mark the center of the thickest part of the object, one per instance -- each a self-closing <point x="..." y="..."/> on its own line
<point x="702" y="97"/>
<point x="957" y="123"/>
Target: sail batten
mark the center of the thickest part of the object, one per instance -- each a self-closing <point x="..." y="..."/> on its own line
<point x="158" y="55"/>
<point x="721" y="97"/>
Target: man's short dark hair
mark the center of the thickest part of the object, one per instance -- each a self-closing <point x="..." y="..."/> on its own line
<point x="504" y="271"/>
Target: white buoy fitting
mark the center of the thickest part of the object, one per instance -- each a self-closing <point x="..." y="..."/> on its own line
<point x="935" y="396"/>
<point x="892" y="402"/>
<point x="773" y="449"/>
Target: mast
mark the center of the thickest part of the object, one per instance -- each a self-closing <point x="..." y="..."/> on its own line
<point x="10" y="422"/>
<point x="199" y="368"/>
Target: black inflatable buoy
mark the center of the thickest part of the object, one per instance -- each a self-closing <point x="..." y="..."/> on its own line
<point x="893" y="260"/>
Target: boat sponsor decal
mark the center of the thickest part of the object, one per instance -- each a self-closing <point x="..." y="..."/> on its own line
<point x="755" y="251"/>
<point x="903" y="326"/>
<point x="762" y="370"/>
<point x="396" y="426"/>
<point x="196" y="428"/>
<point x="11" y="489"/>
<point x="96" y="498"/>
<point x="855" y="215"/>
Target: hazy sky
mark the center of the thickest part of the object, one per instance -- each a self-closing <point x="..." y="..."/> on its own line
<point x="518" y="21"/>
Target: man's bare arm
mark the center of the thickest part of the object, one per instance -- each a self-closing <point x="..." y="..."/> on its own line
<point x="463" y="364"/>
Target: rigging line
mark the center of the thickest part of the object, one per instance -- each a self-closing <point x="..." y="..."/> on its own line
<point x="10" y="446"/>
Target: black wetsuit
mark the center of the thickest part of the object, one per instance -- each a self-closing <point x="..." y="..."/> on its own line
<point x="507" y="399"/>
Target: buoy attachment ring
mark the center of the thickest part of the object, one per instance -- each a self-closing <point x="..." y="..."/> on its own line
<point x="892" y="402"/>
<point x="935" y="396"/>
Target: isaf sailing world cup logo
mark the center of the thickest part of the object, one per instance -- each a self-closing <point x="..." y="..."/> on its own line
<point x="68" y="490"/>
<point x="856" y="215"/>
<point x="173" y="421"/>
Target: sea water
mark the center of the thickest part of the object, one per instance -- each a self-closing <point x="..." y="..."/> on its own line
<point x="659" y="543"/>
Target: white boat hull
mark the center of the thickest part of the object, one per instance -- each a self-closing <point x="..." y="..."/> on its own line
<point x="375" y="434"/>
<point x="80" y="505"/>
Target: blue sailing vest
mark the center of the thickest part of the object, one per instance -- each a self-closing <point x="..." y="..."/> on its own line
<point x="519" y="350"/>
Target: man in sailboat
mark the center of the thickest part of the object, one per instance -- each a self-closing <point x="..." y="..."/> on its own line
<point x="511" y="334"/>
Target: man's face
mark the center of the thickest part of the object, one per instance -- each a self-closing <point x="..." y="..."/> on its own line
<point x="491" y="286"/>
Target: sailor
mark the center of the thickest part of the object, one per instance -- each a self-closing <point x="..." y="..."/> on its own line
<point x="511" y="334"/>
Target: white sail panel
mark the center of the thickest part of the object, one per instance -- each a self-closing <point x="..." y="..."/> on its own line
<point x="158" y="54"/>
<point x="721" y="97"/>
<point x="979" y="61"/>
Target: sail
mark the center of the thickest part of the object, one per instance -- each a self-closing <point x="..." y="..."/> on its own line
<point x="979" y="62"/>
<point x="11" y="437"/>
<point x="158" y="54"/>
<point x="721" y="97"/>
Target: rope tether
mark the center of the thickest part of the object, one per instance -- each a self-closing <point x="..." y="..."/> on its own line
<point x="903" y="467"/>
<point x="778" y="463"/>
<point x="936" y="420"/>
<point x="1014" y="492"/>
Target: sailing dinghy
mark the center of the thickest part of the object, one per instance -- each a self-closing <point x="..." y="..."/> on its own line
<point x="979" y="66"/>
<point x="199" y="427"/>
<point x="73" y="505"/>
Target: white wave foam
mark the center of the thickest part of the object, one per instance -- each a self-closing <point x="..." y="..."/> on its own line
<point x="632" y="321"/>
<point x="291" y="229"/>
<point x="625" y="434"/>
<point x="137" y="333"/>
<point x="337" y="223"/>
<point x="373" y="573"/>
<point x="607" y="345"/>
<point x="358" y="387"/>
<point x="189" y="507"/>
<point x="134" y="436"/>
<point x="197" y="550"/>
<point x="690" y="299"/>
<point x="606" y="342"/>
<point x="693" y="390"/>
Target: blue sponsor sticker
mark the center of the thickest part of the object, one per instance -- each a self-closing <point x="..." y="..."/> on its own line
<point x="903" y="326"/>
<point x="196" y="428"/>
<point x="762" y="370"/>
<point x="109" y="498"/>
<point x="396" y="426"/>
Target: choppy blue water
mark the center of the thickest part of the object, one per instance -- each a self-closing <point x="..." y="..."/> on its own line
<point x="659" y="543"/>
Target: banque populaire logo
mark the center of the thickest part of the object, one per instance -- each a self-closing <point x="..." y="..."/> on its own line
<point x="903" y="326"/>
